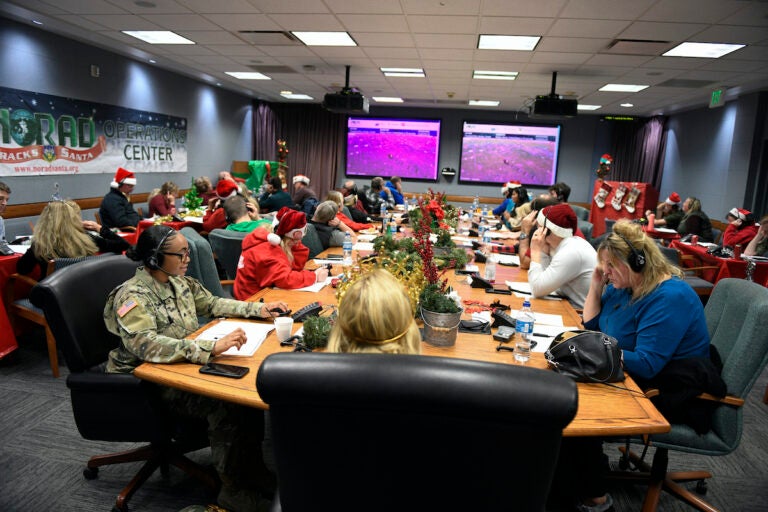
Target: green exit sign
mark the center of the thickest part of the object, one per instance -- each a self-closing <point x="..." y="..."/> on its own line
<point x="717" y="99"/>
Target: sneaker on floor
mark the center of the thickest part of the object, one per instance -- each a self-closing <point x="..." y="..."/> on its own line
<point x="602" y="507"/>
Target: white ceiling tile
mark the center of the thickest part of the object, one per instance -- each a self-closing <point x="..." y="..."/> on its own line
<point x="572" y="44"/>
<point x="307" y="22"/>
<point x="605" y="9"/>
<point x="443" y="24"/>
<point x="503" y="25"/>
<point x="587" y="28"/>
<point x="368" y="39"/>
<point x="374" y="23"/>
<point x="691" y="11"/>
<point x="658" y="31"/>
<point x="235" y="22"/>
<point x="210" y="37"/>
<point x="124" y="22"/>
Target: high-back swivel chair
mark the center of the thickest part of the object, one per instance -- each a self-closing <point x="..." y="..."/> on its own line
<point x="109" y="406"/>
<point x="383" y="432"/>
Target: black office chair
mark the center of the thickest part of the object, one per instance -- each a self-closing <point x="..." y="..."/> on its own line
<point x="109" y="406"/>
<point x="380" y="432"/>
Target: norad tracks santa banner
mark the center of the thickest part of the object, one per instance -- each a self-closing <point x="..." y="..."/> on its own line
<point x="44" y="134"/>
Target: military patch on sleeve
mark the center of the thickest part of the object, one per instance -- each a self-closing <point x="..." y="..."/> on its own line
<point x="126" y="307"/>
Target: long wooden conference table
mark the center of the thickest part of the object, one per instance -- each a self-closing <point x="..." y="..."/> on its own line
<point x="602" y="411"/>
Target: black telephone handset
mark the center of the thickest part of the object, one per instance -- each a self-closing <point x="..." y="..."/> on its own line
<point x="312" y="309"/>
<point x="501" y="318"/>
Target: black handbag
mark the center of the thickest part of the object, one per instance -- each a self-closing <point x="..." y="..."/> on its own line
<point x="586" y="356"/>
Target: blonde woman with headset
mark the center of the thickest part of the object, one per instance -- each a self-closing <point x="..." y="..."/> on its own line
<point x="638" y="297"/>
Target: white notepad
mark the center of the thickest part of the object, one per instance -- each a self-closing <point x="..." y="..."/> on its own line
<point x="254" y="332"/>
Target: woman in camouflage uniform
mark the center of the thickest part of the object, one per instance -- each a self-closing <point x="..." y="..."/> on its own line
<point x="153" y="313"/>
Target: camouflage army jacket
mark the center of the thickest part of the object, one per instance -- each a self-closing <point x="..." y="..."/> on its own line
<point x="153" y="319"/>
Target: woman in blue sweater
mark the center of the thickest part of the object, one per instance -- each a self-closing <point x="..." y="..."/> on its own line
<point x="638" y="297"/>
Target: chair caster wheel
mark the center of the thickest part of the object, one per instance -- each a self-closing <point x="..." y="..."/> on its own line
<point x="623" y="464"/>
<point x="90" y="473"/>
<point x="701" y="487"/>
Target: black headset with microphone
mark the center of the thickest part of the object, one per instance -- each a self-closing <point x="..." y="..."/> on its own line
<point x="636" y="258"/>
<point x="154" y="262"/>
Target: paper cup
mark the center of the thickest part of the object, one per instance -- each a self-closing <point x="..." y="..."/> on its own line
<point x="283" y="327"/>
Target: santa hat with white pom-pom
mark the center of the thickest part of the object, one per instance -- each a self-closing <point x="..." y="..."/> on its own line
<point x="288" y="220"/>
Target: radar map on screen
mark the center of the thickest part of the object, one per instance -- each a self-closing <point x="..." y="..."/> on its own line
<point x="497" y="153"/>
<point x="407" y="148"/>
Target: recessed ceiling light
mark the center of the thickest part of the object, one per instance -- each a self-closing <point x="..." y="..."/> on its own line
<point x="247" y="75"/>
<point x="622" y="88"/>
<point x="581" y="106"/>
<point x="387" y="99"/>
<point x="493" y="42"/>
<point x="37" y="22"/>
<point x="152" y="61"/>
<point x="495" y="75"/>
<point x="484" y="103"/>
<point x="293" y="96"/>
<point x="158" y="36"/>
<point x="325" y="38"/>
<point x="627" y="105"/>
<point x="703" y="50"/>
<point x="406" y="72"/>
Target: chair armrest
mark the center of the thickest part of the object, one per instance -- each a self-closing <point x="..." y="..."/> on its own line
<point x="130" y="229"/>
<point x="728" y="399"/>
<point x="9" y="295"/>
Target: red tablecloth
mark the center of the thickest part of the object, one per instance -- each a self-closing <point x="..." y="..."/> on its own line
<point x="647" y="200"/>
<point x="7" y="338"/>
<point x="726" y="267"/>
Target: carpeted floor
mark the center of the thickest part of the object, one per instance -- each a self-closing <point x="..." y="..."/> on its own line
<point x="42" y="456"/>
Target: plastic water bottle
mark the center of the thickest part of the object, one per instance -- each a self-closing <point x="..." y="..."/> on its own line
<point x="383" y="215"/>
<point x="392" y="225"/>
<point x="490" y="269"/>
<point x="347" y="247"/>
<point x="485" y="211"/>
<point x="475" y="204"/>
<point x="524" y="328"/>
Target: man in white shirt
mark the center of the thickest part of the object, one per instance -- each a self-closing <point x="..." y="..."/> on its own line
<point x="5" y="193"/>
<point x="560" y="261"/>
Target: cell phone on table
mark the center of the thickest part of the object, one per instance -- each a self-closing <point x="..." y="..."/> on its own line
<point x="225" y="370"/>
<point x="500" y="289"/>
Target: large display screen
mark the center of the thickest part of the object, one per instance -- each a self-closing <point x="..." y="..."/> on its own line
<point x="407" y="148"/>
<point x="497" y="153"/>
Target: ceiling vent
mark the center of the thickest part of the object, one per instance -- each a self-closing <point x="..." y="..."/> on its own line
<point x="637" y="47"/>
<point x="685" y="83"/>
<point x="269" y="38"/>
<point x="273" y="70"/>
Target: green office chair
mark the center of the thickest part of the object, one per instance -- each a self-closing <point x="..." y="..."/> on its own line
<point x="227" y="246"/>
<point x="202" y="266"/>
<point x="312" y="240"/>
<point x="737" y="319"/>
<point x="581" y="212"/>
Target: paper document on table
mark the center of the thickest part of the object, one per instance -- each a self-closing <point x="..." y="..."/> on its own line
<point x="255" y="333"/>
<point x="544" y="334"/>
<point x="664" y="230"/>
<point x="366" y="238"/>
<point x="507" y="259"/>
<point x="363" y="246"/>
<point x="313" y="287"/>
<point x="523" y="289"/>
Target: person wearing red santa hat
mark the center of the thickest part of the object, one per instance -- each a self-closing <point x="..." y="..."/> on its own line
<point x="214" y="217"/>
<point x="668" y="213"/>
<point x="741" y="228"/>
<point x="276" y="259"/>
<point x="560" y="261"/>
<point x="116" y="210"/>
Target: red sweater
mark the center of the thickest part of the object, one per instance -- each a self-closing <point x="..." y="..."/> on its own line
<point x="263" y="264"/>
<point x="214" y="219"/>
<point x="354" y="226"/>
<point x="743" y="236"/>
